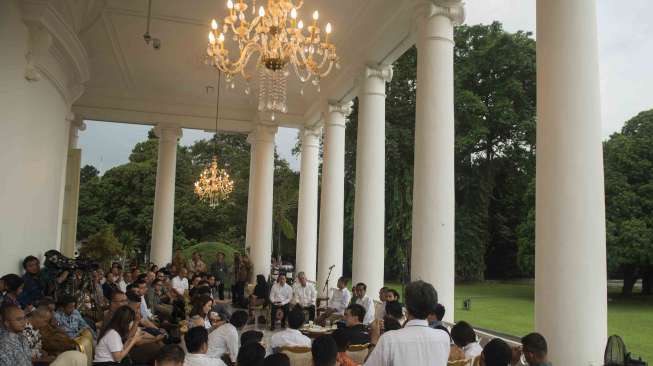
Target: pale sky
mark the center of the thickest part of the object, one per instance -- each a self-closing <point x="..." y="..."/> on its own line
<point x="625" y="52"/>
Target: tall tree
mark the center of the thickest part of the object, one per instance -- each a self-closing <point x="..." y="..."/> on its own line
<point x="494" y="152"/>
<point x="629" y="202"/>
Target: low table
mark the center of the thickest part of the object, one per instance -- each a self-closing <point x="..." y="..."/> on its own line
<point x="316" y="330"/>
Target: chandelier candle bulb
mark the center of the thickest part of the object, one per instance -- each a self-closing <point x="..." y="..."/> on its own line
<point x="293" y="17"/>
<point x="328" y="31"/>
<point x="300" y="25"/>
<point x="211" y="38"/>
<point x="261" y="12"/>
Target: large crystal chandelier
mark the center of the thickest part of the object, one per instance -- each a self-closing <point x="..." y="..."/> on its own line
<point x="214" y="184"/>
<point x="281" y="41"/>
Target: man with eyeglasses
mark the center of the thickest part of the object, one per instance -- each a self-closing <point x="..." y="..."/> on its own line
<point x="14" y="347"/>
<point x="118" y="299"/>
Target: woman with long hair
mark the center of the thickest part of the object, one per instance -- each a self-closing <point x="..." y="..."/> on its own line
<point x="260" y="294"/>
<point x="117" y="338"/>
<point x="202" y="305"/>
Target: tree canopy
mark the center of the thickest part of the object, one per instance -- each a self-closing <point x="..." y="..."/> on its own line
<point x="124" y="196"/>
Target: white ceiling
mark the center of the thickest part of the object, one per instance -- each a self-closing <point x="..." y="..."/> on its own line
<point x="132" y="82"/>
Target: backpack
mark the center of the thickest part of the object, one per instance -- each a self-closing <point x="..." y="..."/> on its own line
<point x="616" y="354"/>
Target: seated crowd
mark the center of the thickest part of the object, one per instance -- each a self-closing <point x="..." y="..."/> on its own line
<point x="178" y="315"/>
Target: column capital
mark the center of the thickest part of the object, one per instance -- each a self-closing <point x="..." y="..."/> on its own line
<point x="167" y="132"/>
<point x="343" y="108"/>
<point x="251" y="137"/>
<point x="452" y="9"/>
<point x="76" y="122"/>
<point x="311" y="136"/>
<point x="383" y="72"/>
<point x="265" y="132"/>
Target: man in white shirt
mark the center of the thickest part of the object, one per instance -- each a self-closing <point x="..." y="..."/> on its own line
<point x="379" y="306"/>
<point x="140" y="287"/>
<point x="337" y="304"/>
<point x="291" y="336"/>
<point x="197" y="344"/>
<point x="180" y="282"/>
<point x="365" y="301"/>
<point x="416" y="344"/>
<point x="305" y="295"/>
<point x="280" y="296"/>
<point x="225" y="339"/>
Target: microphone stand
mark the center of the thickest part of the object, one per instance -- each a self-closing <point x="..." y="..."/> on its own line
<point x="326" y="286"/>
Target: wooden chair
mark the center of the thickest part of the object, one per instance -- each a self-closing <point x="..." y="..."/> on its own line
<point x="358" y="352"/>
<point x="84" y="343"/>
<point x="476" y="361"/>
<point x="299" y="356"/>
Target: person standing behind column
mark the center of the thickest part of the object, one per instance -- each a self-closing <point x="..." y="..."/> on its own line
<point x="305" y="295"/>
<point x="178" y="260"/>
<point x="220" y="271"/>
<point x="337" y="304"/>
<point x="280" y="296"/>
<point x="196" y="265"/>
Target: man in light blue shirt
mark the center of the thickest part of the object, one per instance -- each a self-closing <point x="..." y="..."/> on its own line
<point x="70" y="319"/>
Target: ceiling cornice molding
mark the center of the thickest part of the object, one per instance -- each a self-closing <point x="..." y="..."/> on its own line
<point x="54" y="50"/>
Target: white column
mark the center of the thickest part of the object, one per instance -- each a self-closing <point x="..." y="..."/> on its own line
<point x="164" y="196"/>
<point x="570" y="257"/>
<point x="369" y="205"/>
<point x="433" y="244"/>
<point x="251" y="138"/>
<point x="261" y="244"/>
<point x="71" y="188"/>
<point x="306" y="253"/>
<point x="332" y="202"/>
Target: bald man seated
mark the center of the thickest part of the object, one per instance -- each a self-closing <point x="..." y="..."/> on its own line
<point x="54" y="340"/>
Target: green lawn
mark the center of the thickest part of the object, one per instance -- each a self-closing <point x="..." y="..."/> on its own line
<point x="508" y="308"/>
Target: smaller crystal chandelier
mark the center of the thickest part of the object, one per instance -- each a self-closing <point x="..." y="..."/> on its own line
<point x="214" y="184"/>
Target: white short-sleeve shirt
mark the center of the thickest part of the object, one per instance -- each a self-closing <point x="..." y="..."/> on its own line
<point x="224" y="340"/>
<point x="368" y="304"/>
<point x="110" y="342"/>
<point x="199" y="359"/>
<point x="289" y="337"/>
<point x="180" y="284"/>
<point x="415" y="344"/>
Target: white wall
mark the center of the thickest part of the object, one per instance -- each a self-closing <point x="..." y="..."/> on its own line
<point x="33" y="145"/>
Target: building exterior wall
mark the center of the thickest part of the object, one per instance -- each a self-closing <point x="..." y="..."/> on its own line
<point x="33" y="146"/>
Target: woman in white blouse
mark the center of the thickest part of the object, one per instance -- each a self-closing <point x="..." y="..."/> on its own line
<point x="202" y="306"/>
<point x="117" y="338"/>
